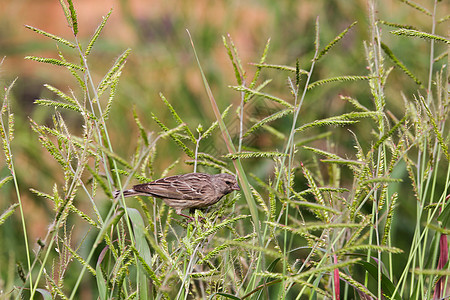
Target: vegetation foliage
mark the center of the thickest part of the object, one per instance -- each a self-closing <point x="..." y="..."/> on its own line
<point x="311" y="221"/>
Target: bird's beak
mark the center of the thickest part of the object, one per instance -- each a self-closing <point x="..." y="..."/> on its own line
<point x="236" y="187"/>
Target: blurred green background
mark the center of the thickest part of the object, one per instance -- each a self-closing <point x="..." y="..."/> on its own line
<point x="162" y="61"/>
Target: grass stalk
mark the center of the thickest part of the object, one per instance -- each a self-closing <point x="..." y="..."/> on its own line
<point x="7" y="135"/>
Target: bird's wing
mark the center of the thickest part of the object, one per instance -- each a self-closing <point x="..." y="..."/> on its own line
<point x="182" y="187"/>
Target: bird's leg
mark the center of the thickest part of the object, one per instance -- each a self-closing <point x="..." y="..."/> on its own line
<point x="189" y="218"/>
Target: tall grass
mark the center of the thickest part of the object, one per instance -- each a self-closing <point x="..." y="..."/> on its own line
<point x="320" y="224"/>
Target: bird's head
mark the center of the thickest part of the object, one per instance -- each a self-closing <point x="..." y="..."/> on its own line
<point x="226" y="183"/>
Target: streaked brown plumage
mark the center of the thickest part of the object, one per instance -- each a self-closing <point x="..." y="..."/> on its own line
<point x="193" y="190"/>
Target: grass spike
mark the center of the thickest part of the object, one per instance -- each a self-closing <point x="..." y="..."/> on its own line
<point x="8" y="212"/>
<point x="335" y="41"/>
<point x="141" y="128"/>
<point x="399" y="64"/>
<point x="417" y="7"/>
<point x="55" y="62"/>
<point x="422" y="35"/>
<point x="275" y="116"/>
<point x="73" y="18"/>
<point x="114" y="70"/>
<point x="178" y="119"/>
<point x="258" y="69"/>
<point x="52" y="36"/>
<point x="66" y="11"/>
<point x="236" y="67"/>
<point x="336" y="79"/>
<point x="97" y="33"/>
<point x="259" y="154"/>
<point x="345" y="119"/>
<point x="397" y="25"/>
<point x="174" y="138"/>
<point x="440" y="138"/>
<point x="264" y="95"/>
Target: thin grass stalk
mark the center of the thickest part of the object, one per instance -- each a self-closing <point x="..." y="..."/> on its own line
<point x="431" y="62"/>
<point x="289" y="150"/>
<point x="58" y="221"/>
<point x="313" y="275"/>
<point x="420" y="206"/>
<point x="375" y="47"/>
<point x="432" y="215"/>
<point x="226" y="136"/>
<point x="425" y="245"/>
<point x="245" y="186"/>
<point x="329" y="250"/>
<point x="184" y="288"/>
<point x="421" y="172"/>
<point x="7" y="138"/>
<point x="83" y="156"/>
<point x="241" y="117"/>
<point x="110" y="212"/>
<point x="424" y="192"/>
<point x="418" y="238"/>
<point x="123" y="202"/>
<point x="53" y="231"/>
<point x="197" y="144"/>
<point x="435" y="151"/>
<point x="57" y="225"/>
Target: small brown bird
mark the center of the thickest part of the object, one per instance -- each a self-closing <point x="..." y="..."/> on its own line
<point x="193" y="190"/>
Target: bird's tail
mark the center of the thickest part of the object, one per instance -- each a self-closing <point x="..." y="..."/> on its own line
<point x="126" y="193"/>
